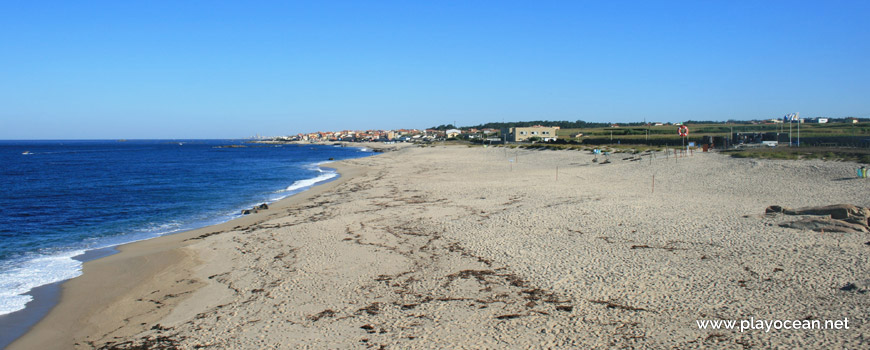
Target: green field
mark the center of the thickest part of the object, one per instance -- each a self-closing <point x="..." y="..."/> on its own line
<point x="638" y="134"/>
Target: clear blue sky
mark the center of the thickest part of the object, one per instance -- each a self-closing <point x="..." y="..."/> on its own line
<point x="214" y="69"/>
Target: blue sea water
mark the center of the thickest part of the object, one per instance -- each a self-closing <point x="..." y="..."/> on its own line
<point x="63" y="198"/>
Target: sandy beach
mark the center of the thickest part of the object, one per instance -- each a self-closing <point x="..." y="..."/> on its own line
<point x="473" y="247"/>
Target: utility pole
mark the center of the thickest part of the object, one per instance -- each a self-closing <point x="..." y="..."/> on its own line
<point x="647" y="131"/>
<point x="731" y="136"/>
<point x="798" y="117"/>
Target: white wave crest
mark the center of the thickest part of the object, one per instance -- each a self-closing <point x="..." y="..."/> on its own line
<point x="302" y="184"/>
<point x="39" y="271"/>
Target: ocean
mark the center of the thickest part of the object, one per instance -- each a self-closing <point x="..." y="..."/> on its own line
<point x="61" y="199"/>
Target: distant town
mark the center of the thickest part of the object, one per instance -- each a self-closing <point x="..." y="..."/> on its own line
<point x="549" y="131"/>
<point x="403" y="135"/>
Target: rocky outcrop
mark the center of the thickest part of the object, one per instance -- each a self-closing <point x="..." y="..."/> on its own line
<point x="826" y="225"/>
<point x="255" y="209"/>
<point x="834" y="218"/>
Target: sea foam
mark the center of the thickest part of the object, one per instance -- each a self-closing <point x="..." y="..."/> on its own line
<point x="39" y="271"/>
<point x="303" y="184"/>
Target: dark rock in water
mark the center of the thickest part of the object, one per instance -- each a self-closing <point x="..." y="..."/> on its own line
<point x="255" y="209"/>
<point x="331" y="158"/>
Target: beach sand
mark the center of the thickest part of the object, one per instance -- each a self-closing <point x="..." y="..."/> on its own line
<point x="472" y="247"/>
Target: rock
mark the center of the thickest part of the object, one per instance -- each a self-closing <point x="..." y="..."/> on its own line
<point x="836" y="211"/>
<point x="773" y="209"/>
<point x="849" y="287"/>
<point x="840" y="217"/>
<point x="826" y="225"/>
<point x="255" y="209"/>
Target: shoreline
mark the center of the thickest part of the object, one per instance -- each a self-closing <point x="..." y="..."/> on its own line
<point x="109" y="277"/>
<point x="450" y="246"/>
<point x="57" y="252"/>
<point x="45" y="297"/>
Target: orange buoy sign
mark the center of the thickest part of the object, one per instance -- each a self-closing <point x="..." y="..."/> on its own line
<point x="683" y="131"/>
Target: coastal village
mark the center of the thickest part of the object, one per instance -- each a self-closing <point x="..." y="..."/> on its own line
<point x="513" y="134"/>
<point x="388" y="135"/>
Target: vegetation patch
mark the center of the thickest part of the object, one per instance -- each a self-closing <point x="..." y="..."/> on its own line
<point x="859" y="155"/>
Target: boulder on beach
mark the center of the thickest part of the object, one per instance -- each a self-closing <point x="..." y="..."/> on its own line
<point x="834" y="218"/>
<point x="773" y="209"/>
<point x="846" y="212"/>
<point x="836" y="211"/>
<point x="255" y="209"/>
<point x="826" y="225"/>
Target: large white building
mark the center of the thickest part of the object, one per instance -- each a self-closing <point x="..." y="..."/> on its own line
<point x="543" y="133"/>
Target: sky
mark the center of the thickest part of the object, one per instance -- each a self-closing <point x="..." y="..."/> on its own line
<point x="232" y="69"/>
